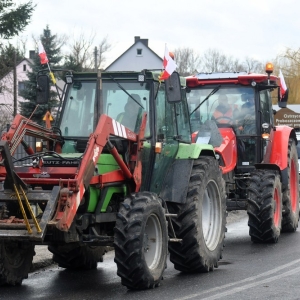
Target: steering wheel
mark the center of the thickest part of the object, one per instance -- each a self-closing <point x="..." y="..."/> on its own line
<point x="229" y="120"/>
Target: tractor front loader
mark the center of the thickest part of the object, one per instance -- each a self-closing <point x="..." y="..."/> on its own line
<point x="106" y="175"/>
<point x="258" y="159"/>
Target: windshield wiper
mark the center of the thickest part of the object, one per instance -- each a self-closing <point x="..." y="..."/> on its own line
<point x="207" y="97"/>
<point x="119" y="85"/>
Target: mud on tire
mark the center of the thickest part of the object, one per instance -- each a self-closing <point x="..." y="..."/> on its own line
<point x="76" y="256"/>
<point x="290" y="195"/>
<point x="141" y="241"/>
<point x="201" y="220"/>
<point x="15" y="261"/>
<point x="264" y="206"/>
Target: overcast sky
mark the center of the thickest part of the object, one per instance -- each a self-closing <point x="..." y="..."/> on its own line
<point x="259" y="29"/>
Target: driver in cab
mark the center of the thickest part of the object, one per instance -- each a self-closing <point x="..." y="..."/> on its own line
<point x="224" y="112"/>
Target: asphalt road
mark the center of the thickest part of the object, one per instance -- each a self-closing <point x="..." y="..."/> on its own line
<point x="247" y="271"/>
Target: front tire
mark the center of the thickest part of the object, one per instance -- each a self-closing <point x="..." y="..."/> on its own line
<point x="264" y="206"/>
<point x="201" y="221"/>
<point x="141" y="241"/>
<point x="15" y="261"/>
<point x="290" y="196"/>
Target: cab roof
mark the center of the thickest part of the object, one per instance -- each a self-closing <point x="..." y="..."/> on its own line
<point x="242" y="78"/>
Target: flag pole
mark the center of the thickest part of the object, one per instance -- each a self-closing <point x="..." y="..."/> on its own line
<point x="44" y="59"/>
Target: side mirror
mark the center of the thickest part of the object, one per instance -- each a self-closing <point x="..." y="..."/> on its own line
<point x="283" y="101"/>
<point x="43" y="84"/>
<point x="173" y="88"/>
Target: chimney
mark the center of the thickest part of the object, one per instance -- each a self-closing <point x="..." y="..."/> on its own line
<point x="32" y="54"/>
<point x="144" y="41"/>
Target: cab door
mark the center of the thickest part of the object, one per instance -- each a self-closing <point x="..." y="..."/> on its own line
<point x="165" y="131"/>
<point x="172" y="128"/>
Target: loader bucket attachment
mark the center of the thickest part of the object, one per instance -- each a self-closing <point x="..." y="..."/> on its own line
<point x="14" y="228"/>
<point x="16" y="195"/>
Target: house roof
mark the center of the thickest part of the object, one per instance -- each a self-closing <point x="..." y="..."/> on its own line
<point x="28" y="60"/>
<point x="137" y="40"/>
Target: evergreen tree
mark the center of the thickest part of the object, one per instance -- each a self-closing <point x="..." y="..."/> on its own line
<point x="72" y="64"/>
<point x="8" y="55"/>
<point x="14" y="19"/>
<point x="30" y="93"/>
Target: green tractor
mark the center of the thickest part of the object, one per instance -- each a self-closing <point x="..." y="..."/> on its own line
<point x="119" y="170"/>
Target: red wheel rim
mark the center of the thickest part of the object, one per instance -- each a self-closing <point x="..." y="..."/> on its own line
<point x="277" y="212"/>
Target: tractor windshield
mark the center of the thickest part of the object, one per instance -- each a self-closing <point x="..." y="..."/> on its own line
<point x="234" y="106"/>
<point x="78" y="114"/>
<point x="125" y="102"/>
<point x="80" y="109"/>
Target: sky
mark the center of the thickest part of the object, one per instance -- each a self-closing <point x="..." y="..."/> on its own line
<point x="258" y="29"/>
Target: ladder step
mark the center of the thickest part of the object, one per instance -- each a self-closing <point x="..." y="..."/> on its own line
<point x="171" y="215"/>
<point x="172" y="240"/>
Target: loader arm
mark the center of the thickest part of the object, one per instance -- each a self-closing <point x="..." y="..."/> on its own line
<point x="21" y="127"/>
<point x="106" y="128"/>
<point x="69" y="201"/>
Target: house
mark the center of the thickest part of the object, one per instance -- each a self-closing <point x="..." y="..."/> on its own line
<point x="7" y="83"/>
<point x="7" y="91"/>
<point x="136" y="58"/>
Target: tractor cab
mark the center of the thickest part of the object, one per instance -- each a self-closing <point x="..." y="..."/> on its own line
<point x="240" y="105"/>
<point x="125" y="97"/>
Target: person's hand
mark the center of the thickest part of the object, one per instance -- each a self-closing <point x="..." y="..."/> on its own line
<point x="249" y="119"/>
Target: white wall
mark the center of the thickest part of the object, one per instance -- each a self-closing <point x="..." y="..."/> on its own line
<point x="130" y="61"/>
<point x="7" y="93"/>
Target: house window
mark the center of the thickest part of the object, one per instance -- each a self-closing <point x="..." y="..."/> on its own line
<point x="21" y="87"/>
<point x="24" y="68"/>
<point x="139" y="52"/>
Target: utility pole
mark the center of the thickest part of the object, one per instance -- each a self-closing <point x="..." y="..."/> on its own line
<point x="96" y="57"/>
<point x="15" y="84"/>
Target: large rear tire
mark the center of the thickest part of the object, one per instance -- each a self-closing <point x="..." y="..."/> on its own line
<point x="15" y="261"/>
<point x="76" y="256"/>
<point x="290" y="195"/>
<point x="141" y="241"/>
<point x="201" y="221"/>
<point x="264" y="206"/>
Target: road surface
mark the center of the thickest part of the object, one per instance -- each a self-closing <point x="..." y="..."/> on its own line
<point x="247" y="271"/>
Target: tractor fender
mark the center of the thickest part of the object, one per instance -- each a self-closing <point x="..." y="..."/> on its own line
<point x="193" y="151"/>
<point x="176" y="181"/>
<point x="276" y="156"/>
<point x="277" y="148"/>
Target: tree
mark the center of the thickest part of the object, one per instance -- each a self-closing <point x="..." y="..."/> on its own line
<point x="52" y="46"/>
<point x="14" y="19"/>
<point x="8" y="55"/>
<point x="252" y="65"/>
<point x="187" y="61"/>
<point x="215" y="61"/>
<point x="83" y="56"/>
<point x="6" y="113"/>
<point x="289" y="63"/>
<point x="104" y="46"/>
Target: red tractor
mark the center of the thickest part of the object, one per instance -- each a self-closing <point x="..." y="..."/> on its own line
<point x="118" y="169"/>
<point x="259" y="161"/>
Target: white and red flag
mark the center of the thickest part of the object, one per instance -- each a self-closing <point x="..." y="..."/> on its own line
<point x="169" y="65"/>
<point x="283" y="86"/>
<point x="42" y="54"/>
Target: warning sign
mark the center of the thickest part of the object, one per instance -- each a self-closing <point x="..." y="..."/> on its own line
<point x="286" y="116"/>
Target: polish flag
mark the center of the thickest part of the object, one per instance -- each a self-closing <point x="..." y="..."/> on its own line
<point x="42" y="54"/>
<point x="283" y="87"/>
<point x="169" y="65"/>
